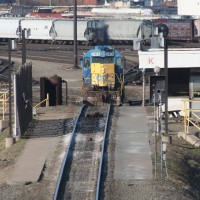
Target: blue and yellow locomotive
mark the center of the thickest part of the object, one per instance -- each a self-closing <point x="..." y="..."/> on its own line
<point x="103" y="76"/>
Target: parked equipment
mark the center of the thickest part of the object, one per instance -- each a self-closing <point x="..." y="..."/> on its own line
<point x="103" y="76"/>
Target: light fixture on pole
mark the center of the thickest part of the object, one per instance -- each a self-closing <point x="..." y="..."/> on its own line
<point x="157" y="70"/>
<point x="25" y="35"/>
<point x="163" y="31"/>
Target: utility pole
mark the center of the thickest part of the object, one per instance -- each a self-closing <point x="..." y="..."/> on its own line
<point x="166" y="83"/>
<point x="10" y="82"/>
<point x="23" y="47"/>
<point x="75" y="35"/>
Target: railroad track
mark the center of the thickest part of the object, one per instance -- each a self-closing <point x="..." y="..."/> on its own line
<point x="4" y="66"/>
<point x="65" y="53"/>
<point x="53" y="53"/>
<point x="81" y="172"/>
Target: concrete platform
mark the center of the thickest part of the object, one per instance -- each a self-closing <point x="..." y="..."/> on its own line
<point x="132" y="153"/>
<point x="30" y="164"/>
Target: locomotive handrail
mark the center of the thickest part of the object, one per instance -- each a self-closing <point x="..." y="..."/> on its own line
<point x="121" y="84"/>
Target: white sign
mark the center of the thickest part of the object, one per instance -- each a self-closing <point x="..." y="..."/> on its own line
<point x="188" y="7"/>
<point x="177" y="58"/>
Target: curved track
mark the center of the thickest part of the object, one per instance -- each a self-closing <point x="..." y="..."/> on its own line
<point x="81" y="172"/>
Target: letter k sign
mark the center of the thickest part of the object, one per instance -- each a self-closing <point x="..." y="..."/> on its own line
<point x="150" y="61"/>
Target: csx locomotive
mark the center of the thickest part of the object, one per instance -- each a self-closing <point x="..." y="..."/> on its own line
<point x="103" y="76"/>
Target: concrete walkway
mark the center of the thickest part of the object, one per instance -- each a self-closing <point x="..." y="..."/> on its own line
<point x="132" y="153"/>
<point x="30" y="164"/>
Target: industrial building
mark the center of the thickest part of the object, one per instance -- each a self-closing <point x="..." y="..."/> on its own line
<point x="183" y="73"/>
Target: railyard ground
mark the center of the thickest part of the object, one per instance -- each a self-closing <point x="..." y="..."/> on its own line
<point x="183" y="160"/>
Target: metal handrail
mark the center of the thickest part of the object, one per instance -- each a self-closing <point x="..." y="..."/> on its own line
<point x="45" y="100"/>
<point x="189" y="115"/>
<point x="121" y="83"/>
<point x="4" y="85"/>
<point x="4" y="100"/>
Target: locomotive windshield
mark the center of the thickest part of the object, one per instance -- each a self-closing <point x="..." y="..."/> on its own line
<point x="102" y="60"/>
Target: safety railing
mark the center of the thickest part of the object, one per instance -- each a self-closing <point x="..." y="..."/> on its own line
<point x="121" y="83"/>
<point x="45" y="100"/>
<point x="191" y="115"/>
<point x="4" y="85"/>
<point x="3" y="102"/>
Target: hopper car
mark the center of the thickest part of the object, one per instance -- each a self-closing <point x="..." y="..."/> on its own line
<point x="42" y="30"/>
<point x="64" y="31"/>
<point x="9" y="28"/>
<point x="39" y="30"/>
<point x="103" y="76"/>
<point x="105" y="31"/>
<point x="96" y="31"/>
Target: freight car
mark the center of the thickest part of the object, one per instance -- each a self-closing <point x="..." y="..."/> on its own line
<point x="179" y="29"/>
<point x="65" y="31"/>
<point x="42" y="30"/>
<point x="105" y="31"/>
<point x="97" y="31"/>
<point x="9" y="28"/>
<point x="39" y="29"/>
<point x="103" y="76"/>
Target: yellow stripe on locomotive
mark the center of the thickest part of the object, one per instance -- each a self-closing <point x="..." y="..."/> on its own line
<point x="102" y="75"/>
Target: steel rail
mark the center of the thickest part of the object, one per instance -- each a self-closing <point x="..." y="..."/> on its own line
<point x="4" y="68"/>
<point x="102" y="154"/>
<point x="56" y="193"/>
